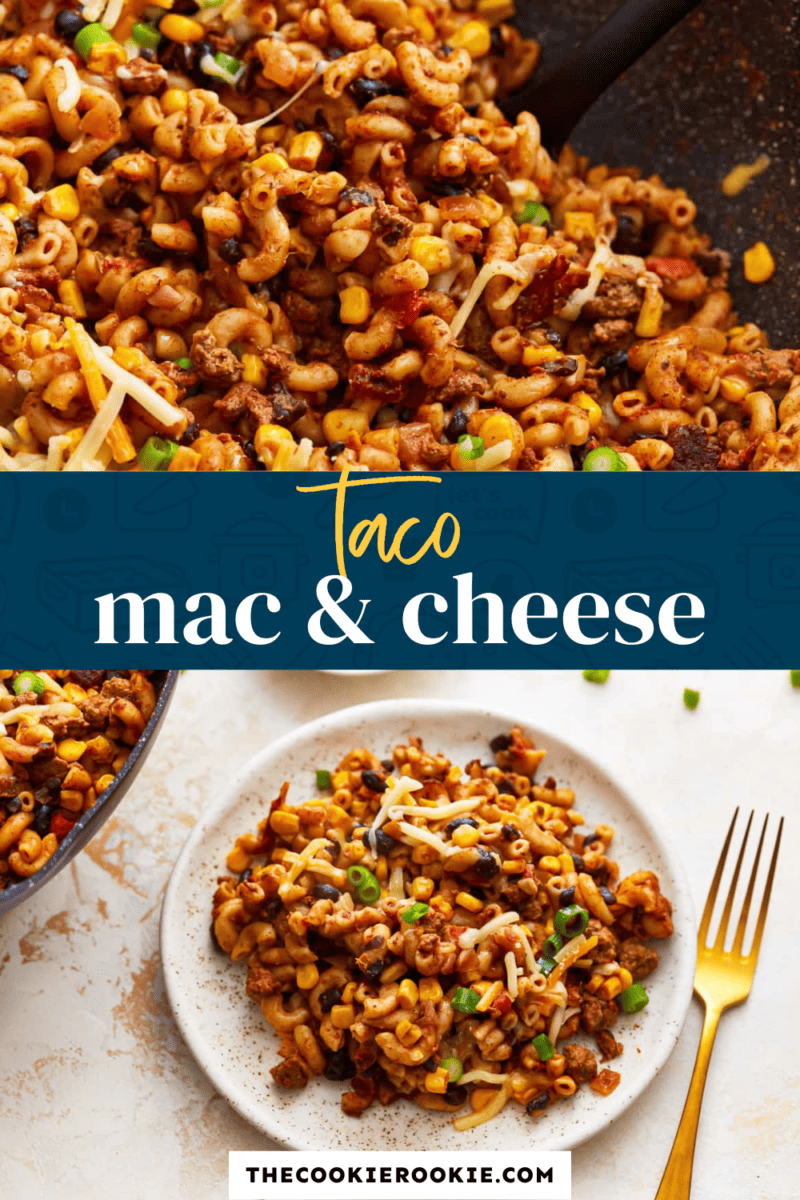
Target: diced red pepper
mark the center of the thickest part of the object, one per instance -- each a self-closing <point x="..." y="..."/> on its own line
<point x="60" y="826"/>
<point x="672" y="268"/>
<point x="406" y="308"/>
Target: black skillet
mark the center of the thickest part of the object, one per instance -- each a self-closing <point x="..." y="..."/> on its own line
<point x="720" y="88"/>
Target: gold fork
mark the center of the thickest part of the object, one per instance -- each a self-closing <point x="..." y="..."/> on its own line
<point x="723" y="979"/>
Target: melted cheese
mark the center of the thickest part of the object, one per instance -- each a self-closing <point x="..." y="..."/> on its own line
<point x="473" y="936"/>
<point x="69" y="97"/>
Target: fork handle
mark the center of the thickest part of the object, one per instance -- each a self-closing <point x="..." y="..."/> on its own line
<point x="676" y="1182"/>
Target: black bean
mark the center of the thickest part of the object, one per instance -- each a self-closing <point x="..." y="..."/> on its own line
<point x="104" y="160"/>
<point x="430" y="1064"/>
<point x="511" y="833"/>
<point x="329" y="998"/>
<point x="333" y="52"/>
<point x="245" y="875"/>
<point x="538" y="1103"/>
<point x="357" y="198"/>
<point x="445" y="187"/>
<point x="454" y="824"/>
<point x="472" y="109"/>
<point x="334" y="449"/>
<point x="607" y="895"/>
<point x="553" y="337"/>
<point x="373" y="781"/>
<point x="405" y="414"/>
<point x="132" y="199"/>
<point x="340" y="1066"/>
<point x="13" y="805"/>
<point x="365" y="90"/>
<point x="564" y="366"/>
<point x="458" y="425"/>
<point x="16" y="73"/>
<point x="26" y="231"/>
<point x="497" y="44"/>
<point x="41" y="820"/>
<point x="487" y="865"/>
<point x="230" y="251"/>
<point x="373" y="971"/>
<point x="506" y="787"/>
<point x="578" y="455"/>
<point x="191" y="434"/>
<point x="68" y="23"/>
<point x="385" y="842"/>
<point x="332" y="154"/>
<point x="334" y="849"/>
<point x="153" y="14"/>
<point x="375" y="943"/>
<point x="628" y="239"/>
<point x="148" y="249"/>
<point x="456" y="1096"/>
<point x="578" y="864"/>
<point x="387" y="764"/>
<point x="614" y="362"/>
<point x="472" y="137"/>
<point x="567" y="897"/>
<point x="326" y="891"/>
<point x="501" y="742"/>
<point x="272" y="907"/>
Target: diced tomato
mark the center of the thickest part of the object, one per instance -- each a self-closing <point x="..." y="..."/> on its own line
<point x="60" y="826"/>
<point x="405" y="309"/>
<point x="672" y="268"/>
<point x="502" y="1004"/>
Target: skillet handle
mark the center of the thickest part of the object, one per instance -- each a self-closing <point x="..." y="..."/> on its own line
<point x="560" y="100"/>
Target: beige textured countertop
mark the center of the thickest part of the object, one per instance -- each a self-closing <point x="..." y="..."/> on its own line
<point x="100" y="1098"/>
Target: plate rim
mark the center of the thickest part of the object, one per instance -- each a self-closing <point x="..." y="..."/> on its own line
<point x="398" y="709"/>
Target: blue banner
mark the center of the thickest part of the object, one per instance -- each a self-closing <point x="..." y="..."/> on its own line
<point x="406" y="571"/>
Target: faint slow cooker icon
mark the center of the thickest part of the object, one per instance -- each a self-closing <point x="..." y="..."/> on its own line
<point x="772" y="561"/>
<point x="259" y="555"/>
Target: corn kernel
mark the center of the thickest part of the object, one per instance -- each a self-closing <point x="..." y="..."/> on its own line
<point x="496" y="10"/>
<point x="69" y="293"/>
<point x="436" y="1081"/>
<point x="430" y="991"/>
<point x="105" y="57"/>
<point x="174" y="100"/>
<point x="578" y="225"/>
<point x="594" y="983"/>
<point x="185" y="459"/>
<point x="307" y="976"/>
<point x="341" y="422"/>
<point x="103" y="782"/>
<point x="268" y="439"/>
<point x="71" y="750"/>
<point x="342" y="1016"/>
<point x="733" y="389"/>
<point x="407" y="1032"/>
<point x="422" y="22"/>
<point x="238" y="861"/>
<point x="474" y="37"/>
<point x="9" y="210"/>
<point x="609" y="988"/>
<point x="285" y="824"/>
<point x="338" y="818"/>
<point x="422" y="888"/>
<point x="470" y="903"/>
<point x="513" y="866"/>
<point x="532" y="356"/>
<point x="181" y="29"/>
<point x="62" y="202"/>
<point x="355" y="305"/>
<point x="625" y="978"/>
<point x="432" y="253"/>
<point x="550" y="864"/>
<point x="466" y="836"/>
<point x="407" y="994"/>
<point x="356" y="852"/>
<point x="396" y="971"/>
<point x="272" y="163"/>
<point x="590" y="406"/>
<point x="254" y="370"/>
<point x="305" y="150"/>
<point x="759" y="265"/>
<point x="349" y="992"/>
<point x="440" y="905"/>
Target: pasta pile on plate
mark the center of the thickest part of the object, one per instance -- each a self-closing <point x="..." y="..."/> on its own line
<point x="440" y="935"/>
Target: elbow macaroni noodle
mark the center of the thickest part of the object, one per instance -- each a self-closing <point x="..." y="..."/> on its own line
<point x="488" y="857"/>
<point x="319" y="256"/>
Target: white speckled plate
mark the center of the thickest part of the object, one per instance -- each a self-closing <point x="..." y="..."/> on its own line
<point x="225" y="1030"/>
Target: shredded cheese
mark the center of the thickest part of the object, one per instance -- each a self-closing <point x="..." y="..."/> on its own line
<point x="441" y="813"/>
<point x="60" y="708"/>
<point x="511" y="975"/>
<point x="397" y="887"/>
<point x="473" y="936"/>
<point x="319" y="66"/>
<point x="50" y="684"/>
<point x="565" y="961"/>
<point x="164" y="412"/>
<point x="521" y="272"/>
<point x="395" y="790"/>
<point x="113" y="13"/>
<point x="480" y="1076"/>
<point x="559" y="1017"/>
<point x="71" y="94"/>
<point x="530" y="959"/>
<point x="566" y="950"/>
<point x="486" y="1114"/>
<point x="305" y="858"/>
<point x="598" y="265"/>
<point x="91" y="12"/>
<point x="742" y="174"/>
<point x="85" y="456"/>
<point x="423" y="835"/>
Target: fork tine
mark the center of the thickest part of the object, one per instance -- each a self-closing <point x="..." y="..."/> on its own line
<point x="712" y="891"/>
<point x="726" y="912"/>
<point x="762" y="916"/>
<point x="736" y="948"/>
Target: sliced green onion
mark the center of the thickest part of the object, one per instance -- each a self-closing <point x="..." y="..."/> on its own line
<point x="454" y="1068"/>
<point x="91" y="35"/>
<point x="465" y="1000"/>
<point x="415" y="913"/>
<point x="596" y="676"/>
<point x="570" y="921"/>
<point x="604" y="458"/>
<point x="185" y="364"/>
<point x="226" y="62"/>
<point x="211" y="3"/>
<point x="552" y="946"/>
<point x="367" y="887"/>
<point x="544" y="1047"/>
<point x="323" y="779"/>
<point x="634" y="998"/>
<point x="794" y="678"/>
<point x="29" y="681"/>
<point x="156" y="454"/>
<point x="532" y="213"/>
<point x="470" y="447"/>
<point x="547" y="966"/>
<point x="146" y="36"/>
<point x="691" y="699"/>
